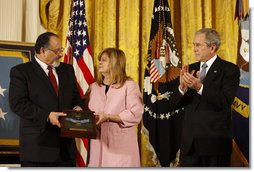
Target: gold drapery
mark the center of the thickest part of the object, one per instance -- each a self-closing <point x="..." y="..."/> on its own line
<point x="54" y="15"/>
<point x="126" y="24"/>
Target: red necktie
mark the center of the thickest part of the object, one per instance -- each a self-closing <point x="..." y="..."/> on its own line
<point x="52" y="79"/>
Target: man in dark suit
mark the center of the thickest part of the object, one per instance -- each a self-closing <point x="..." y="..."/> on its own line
<point x="207" y="92"/>
<point x="39" y="103"/>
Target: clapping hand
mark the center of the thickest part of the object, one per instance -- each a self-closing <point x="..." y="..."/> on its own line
<point x="191" y="81"/>
<point x="183" y="85"/>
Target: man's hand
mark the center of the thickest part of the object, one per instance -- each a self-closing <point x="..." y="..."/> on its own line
<point x="183" y="84"/>
<point x="192" y="81"/>
<point x="77" y="108"/>
<point x="54" y="116"/>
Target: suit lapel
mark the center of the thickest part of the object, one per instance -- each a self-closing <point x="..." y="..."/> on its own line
<point x="42" y="75"/>
<point x="61" y="78"/>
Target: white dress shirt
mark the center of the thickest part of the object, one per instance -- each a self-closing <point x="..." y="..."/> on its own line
<point x="44" y="67"/>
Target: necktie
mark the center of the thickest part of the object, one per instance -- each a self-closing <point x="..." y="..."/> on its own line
<point x="203" y="72"/>
<point x="52" y="79"/>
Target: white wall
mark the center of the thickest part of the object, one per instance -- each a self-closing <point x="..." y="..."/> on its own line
<point x="19" y="20"/>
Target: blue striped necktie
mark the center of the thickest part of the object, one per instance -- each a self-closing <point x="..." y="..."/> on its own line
<point x="203" y="72"/>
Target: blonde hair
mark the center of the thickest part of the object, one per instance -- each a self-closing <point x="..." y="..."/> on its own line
<point x="117" y="63"/>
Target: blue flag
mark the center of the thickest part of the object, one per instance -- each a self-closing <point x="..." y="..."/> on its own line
<point x="241" y="103"/>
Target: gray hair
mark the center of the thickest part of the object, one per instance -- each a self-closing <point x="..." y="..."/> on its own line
<point x="211" y="36"/>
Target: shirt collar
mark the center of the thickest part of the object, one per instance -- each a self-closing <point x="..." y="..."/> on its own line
<point x="209" y="62"/>
<point x="42" y="64"/>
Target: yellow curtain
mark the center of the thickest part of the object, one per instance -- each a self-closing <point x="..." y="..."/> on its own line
<point x="126" y="24"/>
<point x="54" y="15"/>
<point x="209" y="13"/>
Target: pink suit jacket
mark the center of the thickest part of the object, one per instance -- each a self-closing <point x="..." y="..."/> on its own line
<point x="116" y="144"/>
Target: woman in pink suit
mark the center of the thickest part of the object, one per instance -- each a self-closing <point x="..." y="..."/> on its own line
<point x="117" y="101"/>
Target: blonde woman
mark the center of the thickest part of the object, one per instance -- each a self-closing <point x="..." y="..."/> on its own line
<point x="117" y="101"/>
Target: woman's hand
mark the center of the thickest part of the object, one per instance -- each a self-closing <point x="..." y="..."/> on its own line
<point x="101" y="117"/>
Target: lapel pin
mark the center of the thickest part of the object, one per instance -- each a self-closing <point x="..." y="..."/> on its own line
<point x="215" y="71"/>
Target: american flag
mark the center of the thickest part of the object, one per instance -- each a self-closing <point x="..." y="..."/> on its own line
<point x="78" y="53"/>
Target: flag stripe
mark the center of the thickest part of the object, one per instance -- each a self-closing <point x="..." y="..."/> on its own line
<point x="86" y="71"/>
<point x="80" y="77"/>
<point x="82" y="153"/>
<point x="88" y="60"/>
<point x="79" y="160"/>
<point x="79" y="88"/>
<point x="154" y="73"/>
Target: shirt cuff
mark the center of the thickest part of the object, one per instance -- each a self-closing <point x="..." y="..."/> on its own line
<point x="181" y="91"/>
<point x="200" y="90"/>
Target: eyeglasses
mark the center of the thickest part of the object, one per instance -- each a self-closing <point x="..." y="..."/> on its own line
<point x="200" y="44"/>
<point x="57" y="51"/>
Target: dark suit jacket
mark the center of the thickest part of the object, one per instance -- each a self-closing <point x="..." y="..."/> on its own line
<point x="207" y="121"/>
<point x="32" y="97"/>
